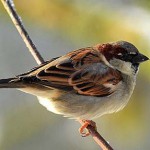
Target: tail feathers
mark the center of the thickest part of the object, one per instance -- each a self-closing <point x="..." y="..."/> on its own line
<point x="10" y="83"/>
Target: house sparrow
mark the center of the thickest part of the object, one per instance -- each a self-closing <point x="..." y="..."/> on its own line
<point x="86" y="83"/>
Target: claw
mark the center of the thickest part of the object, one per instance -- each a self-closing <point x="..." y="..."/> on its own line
<point x="84" y="126"/>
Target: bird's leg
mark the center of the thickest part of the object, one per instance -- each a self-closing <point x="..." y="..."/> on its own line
<point x="85" y="124"/>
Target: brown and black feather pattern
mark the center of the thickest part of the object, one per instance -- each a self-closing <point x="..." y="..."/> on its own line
<point x="81" y="71"/>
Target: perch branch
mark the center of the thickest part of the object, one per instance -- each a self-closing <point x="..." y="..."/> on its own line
<point x="10" y="7"/>
<point x="97" y="137"/>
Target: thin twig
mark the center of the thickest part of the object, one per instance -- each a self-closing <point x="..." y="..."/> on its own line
<point x="10" y="7"/>
<point x="97" y="137"/>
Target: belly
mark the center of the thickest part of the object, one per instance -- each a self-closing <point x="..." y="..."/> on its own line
<point x="77" y="106"/>
<point x="85" y="107"/>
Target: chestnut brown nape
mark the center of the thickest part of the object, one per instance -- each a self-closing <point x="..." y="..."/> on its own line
<point x="117" y="50"/>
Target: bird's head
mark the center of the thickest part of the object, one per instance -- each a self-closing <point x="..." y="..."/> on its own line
<point x="123" y="56"/>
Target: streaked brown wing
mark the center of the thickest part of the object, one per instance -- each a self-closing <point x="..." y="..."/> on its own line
<point x="95" y="80"/>
<point x="81" y="70"/>
<point x="58" y="72"/>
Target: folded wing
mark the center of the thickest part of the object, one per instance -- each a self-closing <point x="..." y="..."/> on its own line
<point x="81" y="71"/>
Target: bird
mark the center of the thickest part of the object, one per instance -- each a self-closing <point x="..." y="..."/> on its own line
<point x="84" y="84"/>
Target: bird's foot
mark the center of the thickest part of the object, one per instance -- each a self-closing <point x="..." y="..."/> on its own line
<point x="85" y="124"/>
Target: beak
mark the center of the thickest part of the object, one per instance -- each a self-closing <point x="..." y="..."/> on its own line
<point x="140" y="58"/>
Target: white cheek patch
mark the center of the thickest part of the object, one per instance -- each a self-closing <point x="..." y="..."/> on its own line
<point x="124" y="67"/>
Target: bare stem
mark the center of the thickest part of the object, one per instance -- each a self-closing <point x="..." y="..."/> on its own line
<point x="9" y="6"/>
<point x="97" y="137"/>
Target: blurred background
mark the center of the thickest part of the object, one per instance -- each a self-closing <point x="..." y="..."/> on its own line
<point x="57" y="27"/>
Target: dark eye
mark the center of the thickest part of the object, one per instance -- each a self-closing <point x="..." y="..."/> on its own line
<point x="132" y="53"/>
<point x="128" y="57"/>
